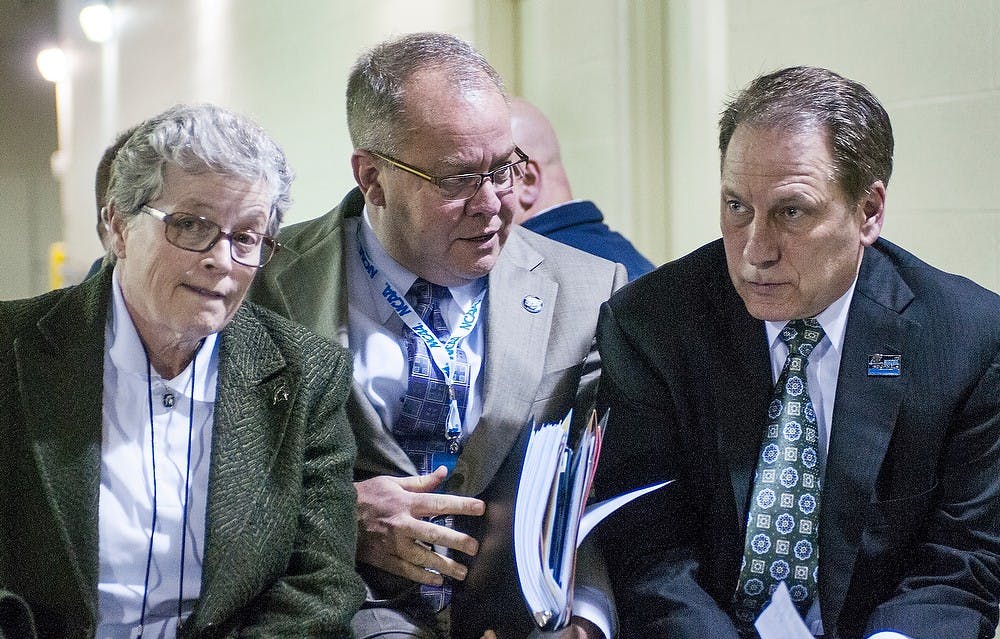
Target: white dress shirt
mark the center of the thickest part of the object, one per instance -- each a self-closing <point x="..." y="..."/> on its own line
<point x="125" y="509"/>
<point x="821" y="377"/>
<point x="376" y="336"/>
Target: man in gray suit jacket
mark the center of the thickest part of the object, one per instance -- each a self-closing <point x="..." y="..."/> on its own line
<point x="435" y="164"/>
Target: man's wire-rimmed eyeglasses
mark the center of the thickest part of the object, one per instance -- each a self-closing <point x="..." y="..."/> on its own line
<point x="465" y="185"/>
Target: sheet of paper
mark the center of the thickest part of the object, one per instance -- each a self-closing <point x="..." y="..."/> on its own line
<point x="595" y="513"/>
<point x="780" y="619"/>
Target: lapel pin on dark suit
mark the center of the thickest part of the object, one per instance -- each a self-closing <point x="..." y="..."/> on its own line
<point x="883" y="365"/>
<point x="532" y="304"/>
<point x="280" y="395"/>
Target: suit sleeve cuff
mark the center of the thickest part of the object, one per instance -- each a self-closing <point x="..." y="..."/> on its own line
<point x="593" y="605"/>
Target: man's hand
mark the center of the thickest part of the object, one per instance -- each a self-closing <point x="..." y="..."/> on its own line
<point x="392" y="533"/>
<point x="580" y="628"/>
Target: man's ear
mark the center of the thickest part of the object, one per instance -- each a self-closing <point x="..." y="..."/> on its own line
<point x="117" y="229"/>
<point x="368" y="176"/>
<point x="872" y="207"/>
<point x="102" y="226"/>
<point x="530" y="187"/>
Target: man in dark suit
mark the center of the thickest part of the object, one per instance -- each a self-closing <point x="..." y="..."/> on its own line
<point x="898" y="409"/>
<point x="544" y="198"/>
<point x="435" y="164"/>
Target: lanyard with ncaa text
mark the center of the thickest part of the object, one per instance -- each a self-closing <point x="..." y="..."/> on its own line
<point x="443" y="353"/>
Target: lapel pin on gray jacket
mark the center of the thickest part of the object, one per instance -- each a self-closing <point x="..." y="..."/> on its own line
<point x="532" y="304"/>
<point x="883" y="365"/>
<point x="280" y="395"/>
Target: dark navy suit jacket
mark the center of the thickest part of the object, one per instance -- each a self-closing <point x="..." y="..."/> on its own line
<point x="581" y="225"/>
<point x="910" y="515"/>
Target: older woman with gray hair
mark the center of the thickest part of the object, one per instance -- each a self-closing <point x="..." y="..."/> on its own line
<point x="174" y="461"/>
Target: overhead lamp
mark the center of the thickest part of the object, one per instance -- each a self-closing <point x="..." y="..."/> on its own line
<point x="52" y="64"/>
<point x="97" y="22"/>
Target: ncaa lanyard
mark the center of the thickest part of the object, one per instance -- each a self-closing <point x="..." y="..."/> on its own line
<point x="443" y="353"/>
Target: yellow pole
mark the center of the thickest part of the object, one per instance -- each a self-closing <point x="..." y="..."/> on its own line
<point x="57" y="259"/>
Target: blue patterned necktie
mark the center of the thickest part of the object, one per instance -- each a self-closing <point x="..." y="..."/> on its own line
<point x="421" y="426"/>
<point x="782" y="525"/>
<point x="420" y="429"/>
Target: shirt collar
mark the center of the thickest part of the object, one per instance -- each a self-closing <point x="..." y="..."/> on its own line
<point x="129" y="356"/>
<point x="833" y="319"/>
<point x="401" y="277"/>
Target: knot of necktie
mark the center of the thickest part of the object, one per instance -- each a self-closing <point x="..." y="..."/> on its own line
<point x="802" y="336"/>
<point x="426" y="299"/>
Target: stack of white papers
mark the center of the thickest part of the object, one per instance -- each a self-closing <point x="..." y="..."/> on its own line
<point x="550" y="520"/>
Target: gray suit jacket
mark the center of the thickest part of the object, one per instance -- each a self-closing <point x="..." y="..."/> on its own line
<point x="535" y="364"/>
<point x="280" y="530"/>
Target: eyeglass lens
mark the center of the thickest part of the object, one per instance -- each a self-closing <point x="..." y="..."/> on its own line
<point x="198" y="234"/>
<point x="465" y="186"/>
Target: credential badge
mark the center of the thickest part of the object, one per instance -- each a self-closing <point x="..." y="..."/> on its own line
<point x="883" y="365"/>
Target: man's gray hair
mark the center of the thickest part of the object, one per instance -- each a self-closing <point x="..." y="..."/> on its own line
<point x="198" y="139"/>
<point x="801" y="98"/>
<point x="376" y="88"/>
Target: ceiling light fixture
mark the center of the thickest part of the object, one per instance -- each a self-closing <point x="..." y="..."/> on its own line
<point x="52" y="64"/>
<point x="97" y="22"/>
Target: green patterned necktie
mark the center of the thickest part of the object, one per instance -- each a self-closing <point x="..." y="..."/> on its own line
<point x="782" y="525"/>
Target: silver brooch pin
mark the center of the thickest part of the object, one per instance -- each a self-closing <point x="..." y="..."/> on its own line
<point x="280" y="395"/>
<point x="532" y="304"/>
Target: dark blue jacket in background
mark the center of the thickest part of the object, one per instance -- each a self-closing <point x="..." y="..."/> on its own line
<point x="581" y="225"/>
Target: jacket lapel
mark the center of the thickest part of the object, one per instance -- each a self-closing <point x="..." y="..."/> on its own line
<point x="61" y="380"/>
<point x="510" y="376"/>
<point x="323" y="263"/>
<point x="305" y="282"/>
<point x="252" y="407"/>
<point x="743" y="389"/>
<point x="378" y="451"/>
<point x="864" y="415"/>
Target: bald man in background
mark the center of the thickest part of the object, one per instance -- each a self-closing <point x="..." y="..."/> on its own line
<point x="545" y="201"/>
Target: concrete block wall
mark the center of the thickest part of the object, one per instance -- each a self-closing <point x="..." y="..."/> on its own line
<point x="935" y="65"/>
